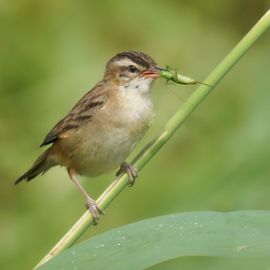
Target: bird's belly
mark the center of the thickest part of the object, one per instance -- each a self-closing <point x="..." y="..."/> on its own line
<point x="107" y="140"/>
<point x="101" y="150"/>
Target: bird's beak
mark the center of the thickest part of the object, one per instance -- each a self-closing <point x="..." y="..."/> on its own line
<point x="152" y="72"/>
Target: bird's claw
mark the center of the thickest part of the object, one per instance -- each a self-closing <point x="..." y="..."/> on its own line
<point x="93" y="208"/>
<point x="131" y="171"/>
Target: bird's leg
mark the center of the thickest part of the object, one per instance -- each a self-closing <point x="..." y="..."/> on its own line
<point x="131" y="171"/>
<point x="90" y="203"/>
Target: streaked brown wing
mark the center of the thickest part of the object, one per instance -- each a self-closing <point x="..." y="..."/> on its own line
<point x="81" y="113"/>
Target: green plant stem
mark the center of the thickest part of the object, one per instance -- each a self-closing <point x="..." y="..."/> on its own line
<point x="172" y="125"/>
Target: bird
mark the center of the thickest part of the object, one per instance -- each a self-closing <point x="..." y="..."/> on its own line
<point x="104" y="126"/>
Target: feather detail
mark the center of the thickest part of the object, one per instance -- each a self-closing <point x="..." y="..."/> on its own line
<point x="80" y="114"/>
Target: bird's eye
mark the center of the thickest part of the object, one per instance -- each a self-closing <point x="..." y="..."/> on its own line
<point x="132" y="69"/>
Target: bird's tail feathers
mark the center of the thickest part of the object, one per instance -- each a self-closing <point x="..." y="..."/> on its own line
<point x="40" y="166"/>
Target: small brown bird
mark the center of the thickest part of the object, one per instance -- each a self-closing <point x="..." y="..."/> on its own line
<point x="104" y="126"/>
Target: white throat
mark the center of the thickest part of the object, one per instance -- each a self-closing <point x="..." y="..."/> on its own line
<point x="138" y="86"/>
<point x="137" y="99"/>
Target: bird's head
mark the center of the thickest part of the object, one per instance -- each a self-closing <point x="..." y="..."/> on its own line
<point x="132" y="70"/>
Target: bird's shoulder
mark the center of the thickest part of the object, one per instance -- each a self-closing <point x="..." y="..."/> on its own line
<point x="80" y="114"/>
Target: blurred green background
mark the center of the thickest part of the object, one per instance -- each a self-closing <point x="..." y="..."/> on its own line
<point x="52" y="52"/>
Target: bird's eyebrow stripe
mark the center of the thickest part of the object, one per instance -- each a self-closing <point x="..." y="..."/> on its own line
<point x="123" y="63"/>
<point x="135" y="57"/>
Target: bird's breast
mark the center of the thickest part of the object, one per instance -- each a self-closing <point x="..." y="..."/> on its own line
<point x="134" y="111"/>
<point x="106" y="141"/>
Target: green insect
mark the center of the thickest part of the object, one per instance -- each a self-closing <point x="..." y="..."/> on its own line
<point x="173" y="75"/>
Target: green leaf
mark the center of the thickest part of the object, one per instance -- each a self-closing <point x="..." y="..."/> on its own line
<point x="149" y="242"/>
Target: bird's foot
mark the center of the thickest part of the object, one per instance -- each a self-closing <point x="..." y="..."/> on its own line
<point x="131" y="171"/>
<point x="93" y="208"/>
